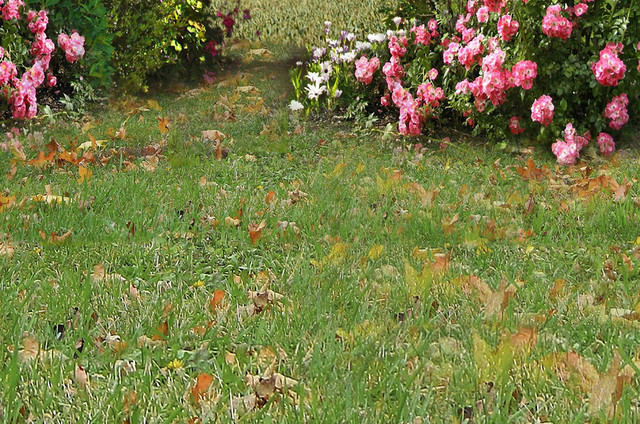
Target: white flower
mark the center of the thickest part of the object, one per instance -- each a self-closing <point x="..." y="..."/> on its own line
<point x="397" y="20"/>
<point x="362" y="45"/>
<point x="337" y="94"/>
<point x="318" y="52"/>
<point x="315" y="90"/>
<point x="401" y="33"/>
<point x="299" y="63"/>
<point x="314" y="77"/>
<point x="327" y="23"/>
<point x="348" y="57"/>
<point x="350" y="37"/>
<point x="295" y="106"/>
<point x="377" y="38"/>
<point x="325" y="70"/>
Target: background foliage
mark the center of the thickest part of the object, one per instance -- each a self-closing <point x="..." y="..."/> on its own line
<point x="300" y="22"/>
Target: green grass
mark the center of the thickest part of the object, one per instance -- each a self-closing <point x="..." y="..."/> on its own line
<point x="367" y="339"/>
<point x="302" y="22"/>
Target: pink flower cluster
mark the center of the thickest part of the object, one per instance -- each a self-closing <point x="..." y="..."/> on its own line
<point x="606" y="143"/>
<point x="567" y="151"/>
<point x="413" y="111"/>
<point x="542" y="110"/>
<point x="398" y="46"/>
<point x="580" y="9"/>
<point x="495" y="5"/>
<point x="524" y="72"/>
<point x="515" y="125"/>
<point x="11" y="10"/>
<point x="507" y="27"/>
<point x="449" y="55"/>
<point x="430" y="94"/>
<point x="616" y="111"/>
<point x="212" y="48"/>
<point x="470" y="54"/>
<point x="495" y="81"/>
<point x="422" y="35"/>
<point x="73" y="46"/>
<point x="556" y="25"/>
<point x="411" y="117"/>
<point x="366" y="68"/>
<point x="610" y="69"/>
<point x="393" y="71"/>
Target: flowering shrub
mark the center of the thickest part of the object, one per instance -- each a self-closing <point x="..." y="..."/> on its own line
<point x="24" y="69"/>
<point x="321" y="80"/>
<point x="88" y="18"/>
<point x="571" y="66"/>
<point x="167" y="36"/>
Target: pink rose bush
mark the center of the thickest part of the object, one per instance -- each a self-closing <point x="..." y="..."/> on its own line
<point x="505" y="68"/>
<point x="20" y="92"/>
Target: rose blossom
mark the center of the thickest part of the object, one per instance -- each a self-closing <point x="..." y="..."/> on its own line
<point x="365" y="69"/>
<point x="514" y="125"/>
<point x="606" y="143"/>
<point x="542" y="110"/>
<point x="507" y="27"/>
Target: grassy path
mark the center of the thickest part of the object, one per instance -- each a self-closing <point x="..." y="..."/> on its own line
<point x="311" y="274"/>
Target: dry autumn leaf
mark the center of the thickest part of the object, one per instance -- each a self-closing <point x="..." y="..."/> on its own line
<point x="270" y="197"/>
<point x="375" y="252"/>
<point x="100" y="275"/>
<point x="42" y="160"/>
<point x="30" y="349"/>
<point x="161" y="332"/>
<point x="255" y="231"/>
<point x="572" y="368"/>
<point x="216" y="300"/>
<point x="531" y="172"/>
<point x="213" y="135"/>
<point x="81" y="377"/>
<point x="144" y="341"/>
<point x="221" y="151"/>
<point x="525" y="339"/>
<point x="85" y="174"/>
<point x="54" y="238"/>
<point x="201" y="387"/>
<point x="499" y="299"/>
<point x="163" y="125"/>
<point x="6" y="249"/>
<point x="232" y="222"/>
<point x="449" y="224"/>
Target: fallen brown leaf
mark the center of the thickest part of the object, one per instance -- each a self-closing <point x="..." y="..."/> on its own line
<point x="255" y="231"/>
<point x="200" y="389"/>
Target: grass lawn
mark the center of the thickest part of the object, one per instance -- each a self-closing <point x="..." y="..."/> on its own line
<point x="312" y="272"/>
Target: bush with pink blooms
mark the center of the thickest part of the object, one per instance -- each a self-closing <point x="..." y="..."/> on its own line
<point x="511" y="68"/>
<point x="26" y="56"/>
